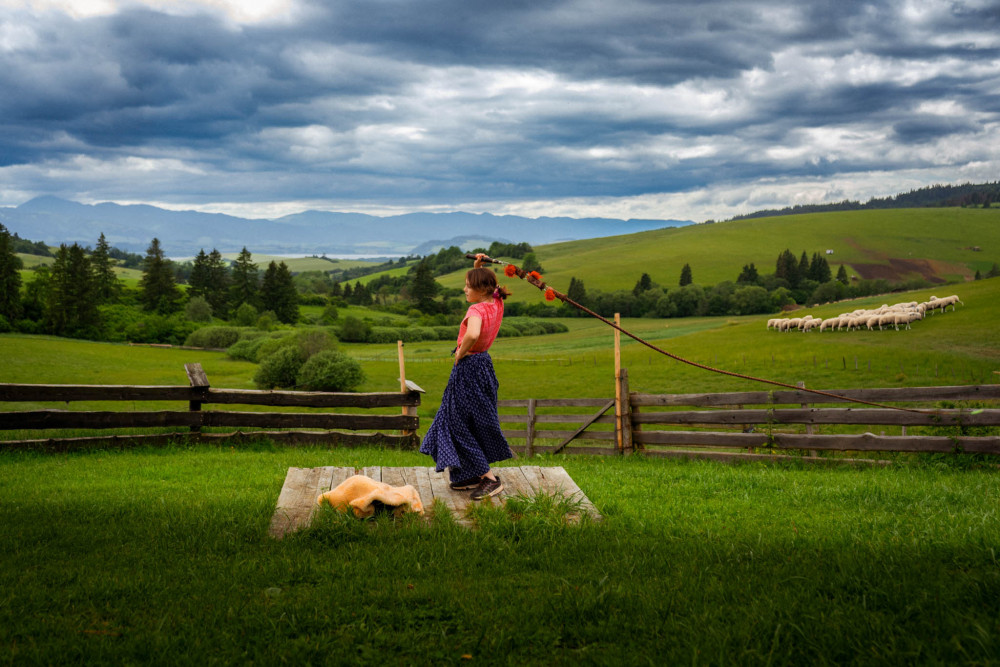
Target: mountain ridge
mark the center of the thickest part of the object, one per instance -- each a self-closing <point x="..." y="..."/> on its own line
<point x="131" y="227"/>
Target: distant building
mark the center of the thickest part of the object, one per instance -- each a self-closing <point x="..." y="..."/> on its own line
<point x="829" y="252"/>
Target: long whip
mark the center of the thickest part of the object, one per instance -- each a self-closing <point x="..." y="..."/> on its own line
<point x="551" y="294"/>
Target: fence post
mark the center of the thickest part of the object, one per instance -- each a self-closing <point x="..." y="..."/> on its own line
<point x="529" y="441"/>
<point x="199" y="382"/>
<point x="809" y="427"/>
<point x="407" y="409"/>
<point x="618" y="385"/>
<point x="624" y="422"/>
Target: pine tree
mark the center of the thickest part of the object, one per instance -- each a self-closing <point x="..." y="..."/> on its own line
<point x="158" y="289"/>
<point x="278" y="293"/>
<point x="644" y="284"/>
<point x="686" y="278"/>
<point x="749" y="275"/>
<point x="199" y="282"/>
<point x="107" y="286"/>
<point x="803" y="272"/>
<point x="577" y="292"/>
<point x="423" y="287"/>
<point x="842" y="274"/>
<point x="819" y="269"/>
<point x="787" y="268"/>
<point x="994" y="271"/>
<point x="71" y="309"/>
<point x="219" y="281"/>
<point x="10" y="278"/>
<point x="245" y="287"/>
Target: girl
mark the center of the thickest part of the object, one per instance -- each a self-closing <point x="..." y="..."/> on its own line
<point x="465" y="435"/>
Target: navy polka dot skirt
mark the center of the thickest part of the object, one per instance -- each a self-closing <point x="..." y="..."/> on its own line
<point x="466" y="435"/>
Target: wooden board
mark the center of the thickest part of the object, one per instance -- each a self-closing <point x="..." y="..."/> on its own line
<point x="297" y="500"/>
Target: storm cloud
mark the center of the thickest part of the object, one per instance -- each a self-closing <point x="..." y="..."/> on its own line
<point x="627" y="109"/>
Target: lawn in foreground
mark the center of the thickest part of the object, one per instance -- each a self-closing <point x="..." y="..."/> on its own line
<point x="163" y="556"/>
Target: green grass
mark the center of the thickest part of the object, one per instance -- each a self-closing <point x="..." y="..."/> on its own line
<point x="163" y="557"/>
<point x="717" y="252"/>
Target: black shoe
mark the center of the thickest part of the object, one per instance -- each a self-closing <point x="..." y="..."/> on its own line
<point x="470" y="483"/>
<point x="487" y="488"/>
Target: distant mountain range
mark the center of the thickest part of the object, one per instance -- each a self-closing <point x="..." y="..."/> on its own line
<point x="184" y="233"/>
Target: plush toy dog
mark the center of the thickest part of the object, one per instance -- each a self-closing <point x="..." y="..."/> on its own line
<point x="364" y="495"/>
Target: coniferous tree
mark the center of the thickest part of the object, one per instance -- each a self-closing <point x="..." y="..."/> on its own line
<point x="577" y="291"/>
<point x="10" y="278"/>
<point x="819" y="269"/>
<point x="245" y="287"/>
<point x="644" y="284"/>
<point x="199" y="282"/>
<point x="158" y="289"/>
<point x="71" y="309"/>
<point x="749" y="275"/>
<point x="842" y="274"/>
<point x="803" y="266"/>
<point x="107" y="286"/>
<point x="787" y="268"/>
<point x="36" y="295"/>
<point x="278" y="293"/>
<point x="423" y="287"/>
<point x="994" y="271"/>
<point x="686" y="277"/>
<point x="218" y="273"/>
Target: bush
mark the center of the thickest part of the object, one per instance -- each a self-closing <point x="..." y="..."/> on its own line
<point x="354" y="330"/>
<point x="198" y="310"/>
<point x="267" y="321"/>
<point x="385" y="335"/>
<point x="272" y="344"/>
<point x="245" y="315"/>
<point x="280" y="369"/>
<point x="215" y="337"/>
<point x="245" y="349"/>
<point x="331" y="370"/>
<point x="314" y="341"/>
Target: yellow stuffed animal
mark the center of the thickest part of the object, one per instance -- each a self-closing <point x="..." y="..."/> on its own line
<point x="363" y="494"/>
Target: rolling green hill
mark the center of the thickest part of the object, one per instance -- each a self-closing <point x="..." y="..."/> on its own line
<point x="938" y="244"/>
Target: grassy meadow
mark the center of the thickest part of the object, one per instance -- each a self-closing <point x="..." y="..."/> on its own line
<point x="161" y="555"/>
<point x="716" y="252"/>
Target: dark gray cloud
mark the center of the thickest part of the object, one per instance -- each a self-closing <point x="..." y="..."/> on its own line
<point x="447" y="103"/>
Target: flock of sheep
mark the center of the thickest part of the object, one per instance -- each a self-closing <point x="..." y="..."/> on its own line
<point x="884" y="316"/>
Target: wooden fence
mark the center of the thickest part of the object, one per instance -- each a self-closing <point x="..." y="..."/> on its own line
<point x="198" y="394"/>
<point x="736" y="425"/>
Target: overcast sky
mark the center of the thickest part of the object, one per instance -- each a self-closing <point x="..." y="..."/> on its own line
<point x="616" y="108"/>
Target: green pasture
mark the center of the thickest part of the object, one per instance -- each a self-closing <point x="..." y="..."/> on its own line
<point x="162" y="557"/>
<point x="961" y="347"/>
<point x="717" y="252"/>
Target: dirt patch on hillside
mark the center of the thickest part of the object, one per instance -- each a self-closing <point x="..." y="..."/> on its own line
<point x="899" y="270"/>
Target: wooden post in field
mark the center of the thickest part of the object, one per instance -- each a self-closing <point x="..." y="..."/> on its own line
<point x="624" y="425"/>
<point x="199" y="381"/>
<point x="809" y="427"/>
<point x="529" y="441"/>
<point x="618" y="385"/>
<point x="407" y="409"/>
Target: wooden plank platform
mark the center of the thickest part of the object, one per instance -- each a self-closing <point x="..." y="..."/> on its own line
<point x="297" y="500"/>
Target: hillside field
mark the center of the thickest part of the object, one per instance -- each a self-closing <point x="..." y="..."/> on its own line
<point x="900" y="244"/>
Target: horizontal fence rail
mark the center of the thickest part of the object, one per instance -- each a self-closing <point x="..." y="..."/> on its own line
<point x="194" y="418"/>
<point x="663" y="424"/>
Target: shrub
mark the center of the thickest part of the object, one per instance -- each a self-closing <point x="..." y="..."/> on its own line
<point x="313" y="341"/>
<point x="330" y="370"/>
<point x="216" y="337"/>
<point x="198" y="310"/>
<point x="245" y="349"/>
<point x="245" y="315"/>
<point x="385" y="335"/>
<point x="280" y="369"/>
<point x="267" y="321"/>
<point x="272" y="344"/>
<point x="354" y="330"/>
